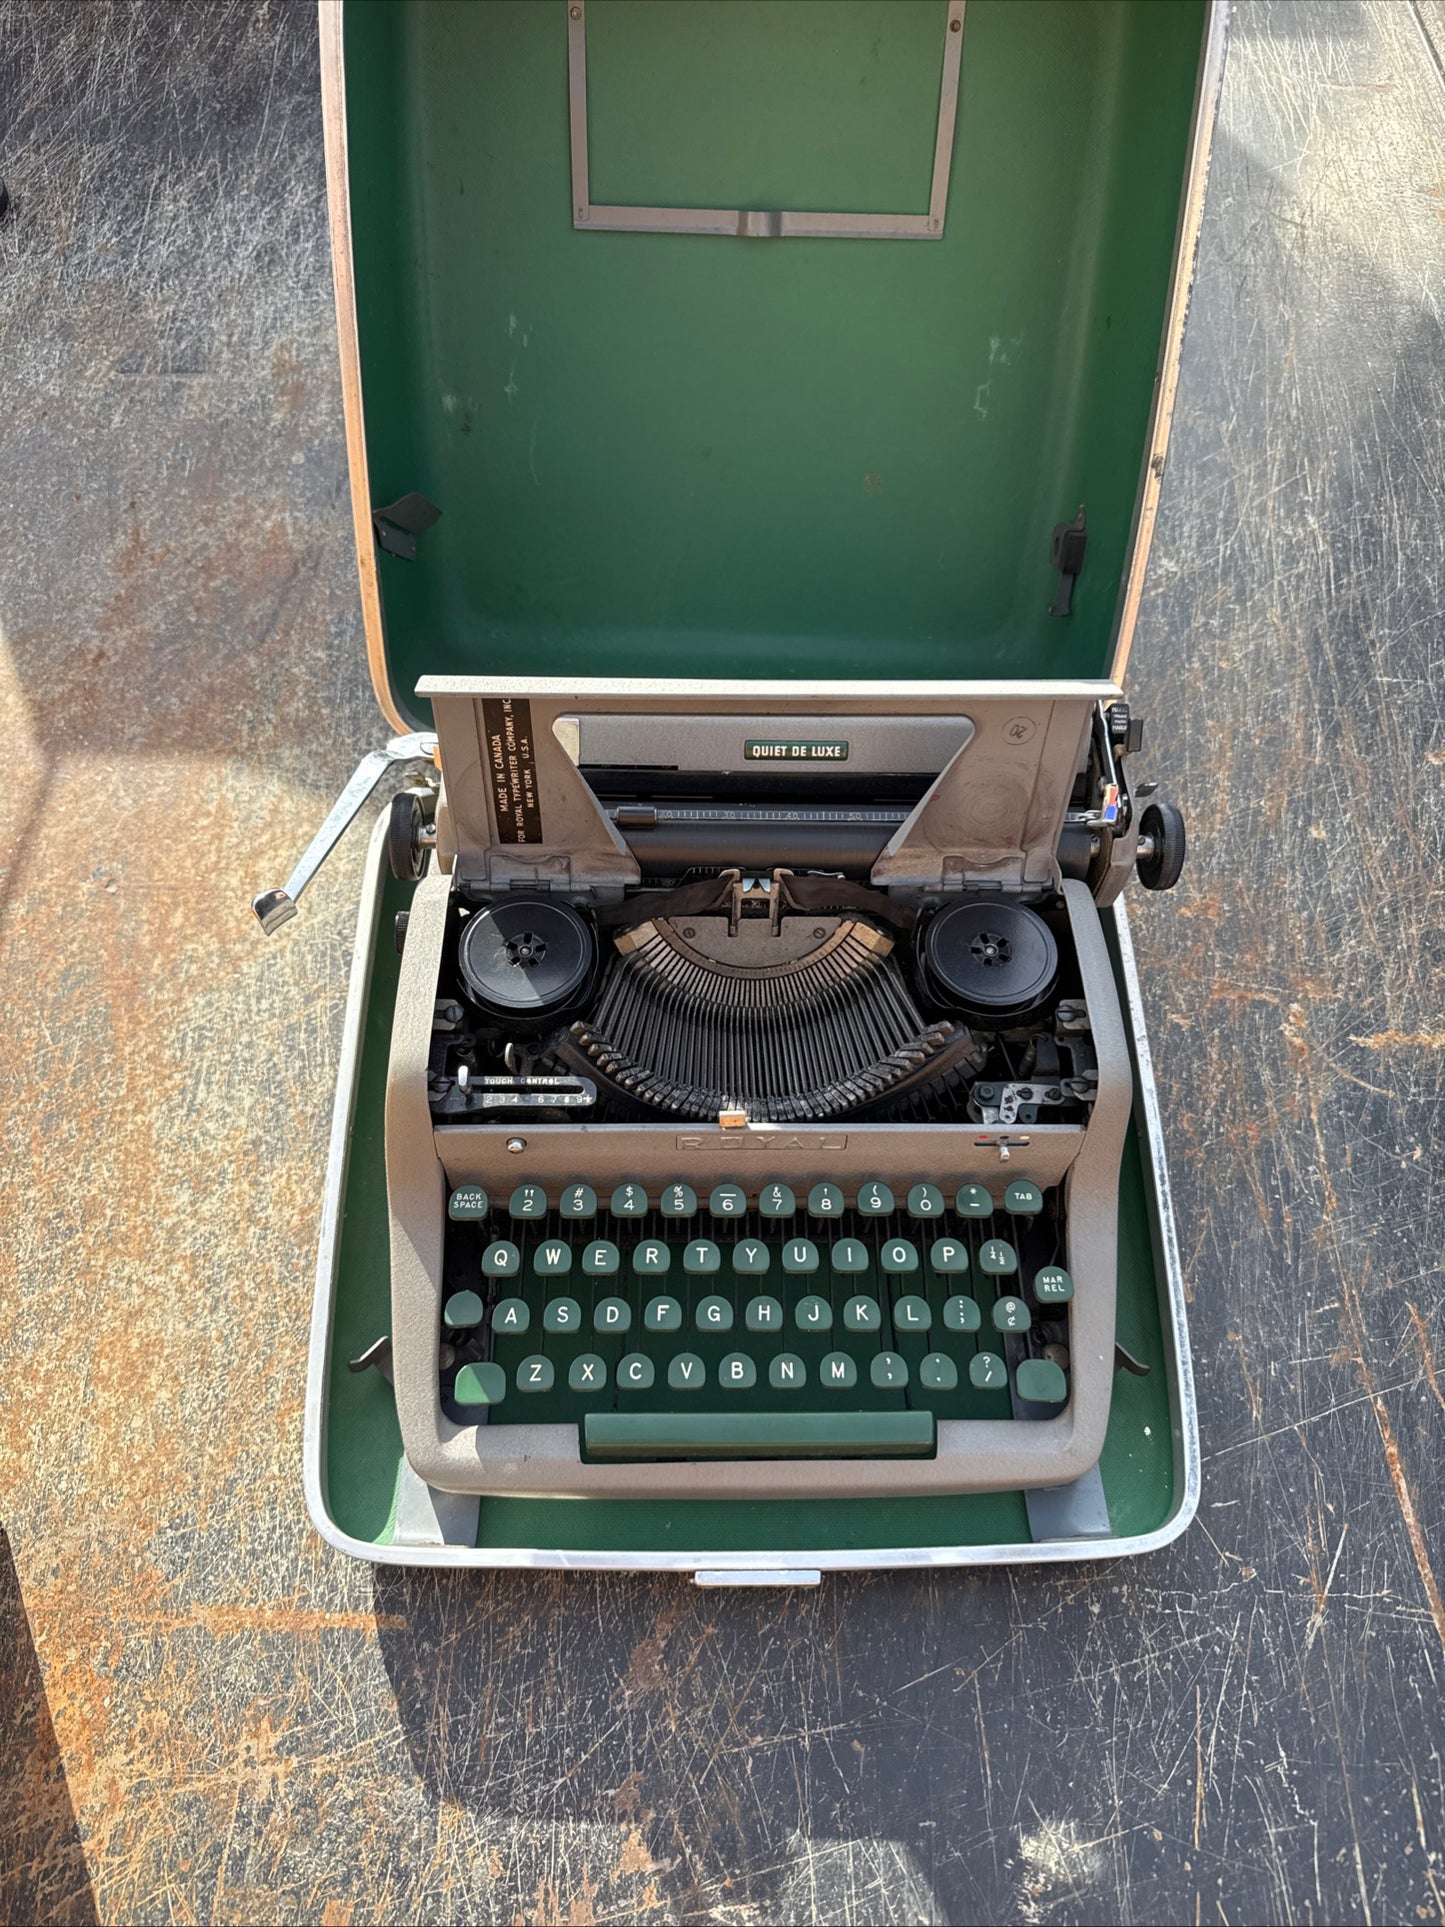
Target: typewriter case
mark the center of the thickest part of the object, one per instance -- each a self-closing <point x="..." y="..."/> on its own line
<point x="752" y="342"/>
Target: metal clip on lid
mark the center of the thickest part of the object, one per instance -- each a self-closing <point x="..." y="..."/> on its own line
<point x="275" y="907"/>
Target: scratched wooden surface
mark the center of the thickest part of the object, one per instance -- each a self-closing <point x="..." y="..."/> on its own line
<point x="203" y="1714"/>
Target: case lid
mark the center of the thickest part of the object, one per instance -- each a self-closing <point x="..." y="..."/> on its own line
<point x="759" y="338"/>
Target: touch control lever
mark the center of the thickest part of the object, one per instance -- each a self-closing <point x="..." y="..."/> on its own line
<point x="275" y="907"/>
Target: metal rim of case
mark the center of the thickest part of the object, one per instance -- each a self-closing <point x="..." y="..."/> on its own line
<point x="338" y="197"/>
<point x="759" y="223"/>
<point x="720" y="1568"/>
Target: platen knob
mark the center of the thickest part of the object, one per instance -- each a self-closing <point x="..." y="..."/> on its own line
<point x="1161" y="847"/>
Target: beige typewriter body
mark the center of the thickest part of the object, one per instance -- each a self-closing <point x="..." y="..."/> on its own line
<point x="992" y="819"/>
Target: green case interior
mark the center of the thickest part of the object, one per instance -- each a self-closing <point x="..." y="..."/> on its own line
<point x="675" y="453"/>
<point x="363" y="1455"/>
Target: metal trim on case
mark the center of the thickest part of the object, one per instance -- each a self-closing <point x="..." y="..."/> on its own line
<point x="758" y="224"/>
<point x="1181" y="287"/>
<point x="782" y="1567"/>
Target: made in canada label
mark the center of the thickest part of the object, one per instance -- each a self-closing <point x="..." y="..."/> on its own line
<point x="512" y="768"/>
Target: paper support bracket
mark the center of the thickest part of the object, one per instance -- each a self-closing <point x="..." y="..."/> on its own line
<point x="764" y="223"/>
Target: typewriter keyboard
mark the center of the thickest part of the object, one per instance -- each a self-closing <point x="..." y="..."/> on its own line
<point x="743" y="1323"/>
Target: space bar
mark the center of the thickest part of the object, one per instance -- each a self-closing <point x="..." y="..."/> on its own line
<point x="758" y="1435"/>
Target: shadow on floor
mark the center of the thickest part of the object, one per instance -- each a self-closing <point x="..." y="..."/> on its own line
<point x="43" y="1874"/>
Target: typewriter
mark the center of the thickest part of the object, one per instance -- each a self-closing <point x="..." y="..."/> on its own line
<point x="758" y="1085"/>
<point x="768" y="1113"/>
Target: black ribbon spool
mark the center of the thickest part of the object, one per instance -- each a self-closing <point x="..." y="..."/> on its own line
<point x="996" y="963"/>
<point x="524" y="960"/>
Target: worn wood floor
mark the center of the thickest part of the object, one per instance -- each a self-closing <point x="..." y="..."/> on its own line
<point x="203" y="1714"/>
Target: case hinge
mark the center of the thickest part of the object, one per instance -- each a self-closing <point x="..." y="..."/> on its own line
<point x="399" y="524"/>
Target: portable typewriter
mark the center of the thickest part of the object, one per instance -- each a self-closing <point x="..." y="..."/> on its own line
<point x="767" y="1109"/>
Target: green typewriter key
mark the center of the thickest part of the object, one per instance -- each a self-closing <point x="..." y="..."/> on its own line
<point x="838" y="1372"/>
<point x="501" y="1260"/>
<point x="1053" y="1285"/>
<point x="587" y="1373"/>
<point x="938" y="1373"/>
<point x="912" y="1314"/>
<point x="800" y="1254"/>
<point x="986" y="1371"/>
<point x="776" y="1201"/>
<point x="480" y="1385"/>
<point x="787" y="1372"/>
<point x="998" y="1258"/>
<point x="947" y="1255"/>
<point x="728" y="1201"/>
<point x="1040" y="1380"/>
<point x="701" y="1256"/>
<point x="611" y="1315"/>
<point x="925" y="1201"/>
<point x="1023" y="1200"/>
<point x="826" y="1201"/>
<point x="678" y="1201"/>
<point x="467" y="1202"/>
<point x="875" y="1200"/>
<point x="464" y="1309"/>
<point x="578" y="1201"/>
<point x="686" y="1373"/>
<point x="961" y="1314"/>
<point x="635" y="1372"/>
<point x="535" y="1374"/>
<point x="888" y="1371"/>
<point x="763" y="1315"/>
<point x="973" y="1202"/>
<point x="850" y="1254"/>
<point x="601" y="1257"/>
<point x="1011" y="1315"/>
<point x="899" y="1255"/>
<point x="552" y="1258"/>
<point x="511" y="1316"/>
<point x="862" y="1315"/>
<point x="813" y="1314"/>
<point x="751" y="1258"/>
<point x="562" y="1315"/>
<point x="528" y="1201"/>
<point x="714" y="1314"/>
<point x="629" y="1201"/>
<point x="737" y="1373"/>
<point x="650" y="1261"/>
<point x="663" y="1315"/>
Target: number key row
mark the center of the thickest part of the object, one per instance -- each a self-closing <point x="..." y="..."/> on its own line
<point x="470" y="1202"/>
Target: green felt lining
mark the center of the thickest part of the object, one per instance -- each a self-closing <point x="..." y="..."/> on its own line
<point x="663" y="454"/>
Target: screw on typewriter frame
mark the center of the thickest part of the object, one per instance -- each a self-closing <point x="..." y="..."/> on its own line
<point x="516" y="1145"/>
